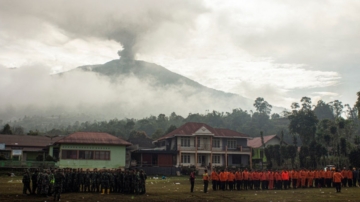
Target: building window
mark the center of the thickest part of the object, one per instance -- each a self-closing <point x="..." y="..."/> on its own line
<point x="216" y="143"/>
<point x="216" y="159"/>
<point x="185" y="142"/>
<point x="185" y="158"/>
<point x="198" y="142"/>
<point x="86" y="155"/>
<point x="231" y="144"/>
<point x="102" y="155"/>
<point x="69" y="154"/>
<point x="199" y="160"/>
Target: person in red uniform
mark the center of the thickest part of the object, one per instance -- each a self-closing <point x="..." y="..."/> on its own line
<point x="214" y="179"/>
<point x="337" y="177"/>
<point x="294" y="178"/>
<point x="350" y="177"/>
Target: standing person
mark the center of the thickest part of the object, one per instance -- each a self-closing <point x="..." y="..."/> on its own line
<point x="26" y="182"/>
<point x="337" y="177"/>
<point x="192" y="181"/>
<point x="285" y="178"/>
<point x="294" y="177"/>
<point x="52" y="182"/>
<point x="350" y="177"/>
<point x="231" y="179"/>
<point x="34" y="177"/>
<point x="311" y="175"/>
<point x="206" y="181"/>
<point x="59" y="180"/>
<point x="214" y="179"/>
<point x="238" y="178"/>
<point x="245" y="174"/>
<point x="344" y="179"/>
<point x="355" y="176"/>
<point x="271" y="180"/>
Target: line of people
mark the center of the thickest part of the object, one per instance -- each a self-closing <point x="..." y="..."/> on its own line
<point x="280" y="179"/>
<point x="54" y="182"/>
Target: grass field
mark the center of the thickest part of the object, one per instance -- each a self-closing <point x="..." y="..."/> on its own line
<point x="169" y="190"/>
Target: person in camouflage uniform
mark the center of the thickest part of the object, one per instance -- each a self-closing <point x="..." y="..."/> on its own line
<point x="45" y="181"/>
<point x="136" y="181"/>
<point x="105" y="182"/>
<point x="75" y="180"/>
<point x="39" y="182"/>
<point x="26" y="182"/>
<point x="51" y="184"/>
<point x="112" y="176"/>
<point x="87" y="181"/>
<point x="142" y="177"/>
<point x="58" y="185"/>
<point x="81" y="177"/>
<point x="95" y="181"/>
<point x="120" y="181"/>
<point x="34" y="180"/>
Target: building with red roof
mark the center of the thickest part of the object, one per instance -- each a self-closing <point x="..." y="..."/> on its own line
<point x="202" y="146"/>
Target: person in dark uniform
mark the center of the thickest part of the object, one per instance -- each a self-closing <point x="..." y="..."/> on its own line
<point x="34" y="178"/>
<point x="58" y="185"/>
<point x="26" y="182"/>
<point x="192" y="181"/>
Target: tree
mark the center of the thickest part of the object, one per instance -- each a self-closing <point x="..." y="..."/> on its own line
<point x="262" y="106"/>
<point x="275" y="116"/>
<point x="337" y="108"/>
<point x="357" y="104"/>
<point x="323" y="111"/>
<point x="157" y="134"/>
<point x="354" y="158"/>
<point x="303" y="122"/>
<point x="292" y="153"/>
<point x="7" y="130"/>
<point x="303" y="154"/>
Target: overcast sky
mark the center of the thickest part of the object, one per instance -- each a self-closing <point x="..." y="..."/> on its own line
<point x="279" y="50"/>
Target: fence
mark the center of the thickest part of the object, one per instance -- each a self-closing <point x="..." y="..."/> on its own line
<point x="26" y="164"/>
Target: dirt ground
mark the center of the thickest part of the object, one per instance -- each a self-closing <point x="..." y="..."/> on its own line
<point x="178" y="189"/>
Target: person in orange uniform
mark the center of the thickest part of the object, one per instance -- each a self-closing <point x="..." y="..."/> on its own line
<point x="317" y="178"/>
<point x="227" y="179"/>
<point x="294" y="178"/>
<point x="256" y="180"/>
<point x="214" y="179"/>
<point x="223" y="178"/>
<point x="245" y="175"/>
<point x="350" y="177"/>
<point x="311" y="176"/>
<point x="238" y="178"/>
<point x="337" y="177"/>
<point x="322" y="178"/>
<point x="328" y="179"/>
<point x="285" y="178"/>
<point x="251" y="182"/>
<point x="231" y="179"/>
<point x="264" y="178"/>
<point x="344" y="174"/>
<point x="271" y="180"/>
<point x="303" y="177"/>
<point x="206" y="181"/>
<point x="278" y="180"/>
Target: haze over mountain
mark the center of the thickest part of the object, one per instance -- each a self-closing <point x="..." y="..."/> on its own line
<point x="121" y="88"/>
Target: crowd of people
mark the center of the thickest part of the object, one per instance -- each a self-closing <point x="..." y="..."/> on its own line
<point x="53" y="182"/>
<point x="279" y="179"/>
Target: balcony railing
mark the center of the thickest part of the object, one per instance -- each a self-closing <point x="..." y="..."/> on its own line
<point x="208" y="147"/>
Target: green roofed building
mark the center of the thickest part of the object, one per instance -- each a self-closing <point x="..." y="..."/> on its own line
<point x="90" y="150"/>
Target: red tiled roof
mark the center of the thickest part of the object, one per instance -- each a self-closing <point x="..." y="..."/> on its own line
<point x="92" y="138"/>
<point x="191" y="127"/>
<point x="256" y="142"/>
<point x="27" y="140"/>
